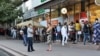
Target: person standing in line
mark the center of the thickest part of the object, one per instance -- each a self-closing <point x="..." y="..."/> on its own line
<point x="58" y="29"/>
<point x="14" y="33"/>
<point x="23" y="33"/>
<point x="90" y="31"/>
<point x="54" y="34"/>
<point x="49" y="37"/>
<point x="96" y="33"/>
<point x="44" y="34"/>
<point x="37" y="35"/>
<point x="86" y="32"/>
<point x="71" y="28"/>
<point x="64" y="32"/>
<point x="30" y="38"/>
<point x="77" y="29"/>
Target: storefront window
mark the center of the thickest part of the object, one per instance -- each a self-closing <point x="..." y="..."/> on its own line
<point x="54" y="14"/>
<point x="94" y="12"/>
<point x="78" y="8"/>
<point x="77" y="11"/>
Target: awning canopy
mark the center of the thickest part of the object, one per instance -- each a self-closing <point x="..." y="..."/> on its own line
<point x="29" y="22"/>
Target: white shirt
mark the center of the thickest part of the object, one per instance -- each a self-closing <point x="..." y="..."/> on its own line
<point x="70" y="27"/>
<point x="58" y="28"/>
<point x="64" y="31"/>
<point x="21" y="32"/>
<point x="29" y="32"/>
<point x="13" y="31"/>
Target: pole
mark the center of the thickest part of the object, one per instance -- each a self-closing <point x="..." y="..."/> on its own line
<point x="50" y="15"/>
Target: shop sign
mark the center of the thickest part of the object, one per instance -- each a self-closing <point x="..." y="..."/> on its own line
<point x="63" y="10"/>
<point x="41" y="11"/>
<point x="43" y="1"/>
<point x="83" y="17"/>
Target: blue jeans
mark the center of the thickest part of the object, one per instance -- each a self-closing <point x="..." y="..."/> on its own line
<point x="30" y="44"/>
<point x="58" y="37"/>
<point x="78" y="37"/>
<point x="86" y="37"/>
<point x="25" y="39"/>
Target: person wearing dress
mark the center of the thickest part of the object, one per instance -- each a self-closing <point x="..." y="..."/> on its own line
<point x="96" y="33"/>
<point x="49" y="37"/>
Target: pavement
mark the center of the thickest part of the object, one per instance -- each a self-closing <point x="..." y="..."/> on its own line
<point x="58" y="50"/>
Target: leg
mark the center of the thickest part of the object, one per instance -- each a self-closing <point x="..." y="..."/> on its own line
<point x="49" y="43"/>
<point x="57" y="36"/>
<point x="76" y="37"/>
<point x="31" y="45"/>
<point x="25" y="40"/>
<point x="50" y="47"/>
<point x="28" y="45"/>
<point x="60" y="37"/>
<point x="66" y="39"/>
<point x="63" y="38"/>
<point x="89" y="38"/>
<point x="84" y="40"/>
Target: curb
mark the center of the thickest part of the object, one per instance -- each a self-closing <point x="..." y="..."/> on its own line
<point x="11" y="51"/>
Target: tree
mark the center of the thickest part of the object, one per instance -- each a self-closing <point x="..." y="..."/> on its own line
<point x="9" y="11"/>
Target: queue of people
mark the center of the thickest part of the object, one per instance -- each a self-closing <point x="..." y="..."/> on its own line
<point x="74" y="32"/>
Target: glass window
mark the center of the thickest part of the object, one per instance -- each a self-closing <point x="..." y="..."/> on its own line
<point x="78" y="8"/>
<point x="94" y="12"/>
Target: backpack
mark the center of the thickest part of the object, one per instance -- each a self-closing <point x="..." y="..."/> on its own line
<point x="86" y="29"/>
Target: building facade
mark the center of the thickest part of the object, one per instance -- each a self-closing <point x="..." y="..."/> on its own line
<point x="76" y="10"/>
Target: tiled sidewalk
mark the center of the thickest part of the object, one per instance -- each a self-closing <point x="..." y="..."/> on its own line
<point x="58" y="50"/>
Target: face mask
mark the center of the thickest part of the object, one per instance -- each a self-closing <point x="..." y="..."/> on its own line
<point x="30" y="26"/>
<point x="96" y="21"/>
<point x="65" y="26"/>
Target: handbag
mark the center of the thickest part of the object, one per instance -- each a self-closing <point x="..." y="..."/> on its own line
<point x="79" y="32"/>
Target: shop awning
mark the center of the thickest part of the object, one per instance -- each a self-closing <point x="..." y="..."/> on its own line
<point x="29" y="22"/>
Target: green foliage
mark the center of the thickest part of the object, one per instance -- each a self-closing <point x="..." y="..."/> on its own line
<point x="8" y="11"/>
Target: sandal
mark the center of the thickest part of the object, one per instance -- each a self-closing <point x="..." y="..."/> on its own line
<point x="48" y="50"/>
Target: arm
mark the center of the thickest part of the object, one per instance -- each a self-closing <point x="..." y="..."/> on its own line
<point x="30" y="31"/>
<point x="48" y="29"/>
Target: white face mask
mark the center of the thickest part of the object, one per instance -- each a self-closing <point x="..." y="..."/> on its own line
<point x="96" y="21"/>
<point x="31" y="27"/>
<point x="65" y="26"/>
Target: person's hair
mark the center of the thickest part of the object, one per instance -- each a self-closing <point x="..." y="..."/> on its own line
<point x="29" y="24"/>
<point x="72" y="23"/>
<point x="59" y="23"/>
<point x="96" y="19"/>
<point x="49" y="23"/>
<point x="65" y="23"/>
<point x="77" y="21"/>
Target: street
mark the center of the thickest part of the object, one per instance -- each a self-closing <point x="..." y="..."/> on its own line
<point x="58" y="50"/>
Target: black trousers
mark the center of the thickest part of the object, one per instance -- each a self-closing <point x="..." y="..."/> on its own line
<point x="30" y="44"/>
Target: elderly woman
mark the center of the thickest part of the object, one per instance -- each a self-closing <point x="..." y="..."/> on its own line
<point x="96" y="32"/>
